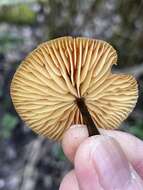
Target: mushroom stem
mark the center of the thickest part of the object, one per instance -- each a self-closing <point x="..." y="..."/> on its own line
<point x="87" y="119"/>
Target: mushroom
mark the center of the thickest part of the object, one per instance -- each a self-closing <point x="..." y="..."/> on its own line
<point x="69" y="81"/>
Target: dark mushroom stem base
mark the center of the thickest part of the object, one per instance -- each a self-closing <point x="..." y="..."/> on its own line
<point x="87" y="119"/>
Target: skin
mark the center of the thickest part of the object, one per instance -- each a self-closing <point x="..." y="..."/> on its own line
<point x="110" y="161"/>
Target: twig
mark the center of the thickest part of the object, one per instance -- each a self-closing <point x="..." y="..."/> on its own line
<point x="29" y="176"/>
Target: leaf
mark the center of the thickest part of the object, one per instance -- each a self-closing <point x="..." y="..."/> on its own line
<point x="137" y="132"/>
<point x="58" y="152"/>
<point x="9" y="122"/>
<point x="61" y="154"/>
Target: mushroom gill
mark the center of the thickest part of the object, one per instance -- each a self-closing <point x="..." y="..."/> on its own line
<point x="50" y="79"/>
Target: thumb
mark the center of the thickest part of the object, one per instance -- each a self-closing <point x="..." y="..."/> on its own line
<point x="100" y="163"/>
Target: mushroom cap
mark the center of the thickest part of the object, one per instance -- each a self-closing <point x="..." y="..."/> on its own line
<point x="47" y="83"/>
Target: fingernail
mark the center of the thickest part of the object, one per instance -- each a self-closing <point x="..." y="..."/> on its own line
<point x="77" y="125"/>
<point x="110" y="163"/>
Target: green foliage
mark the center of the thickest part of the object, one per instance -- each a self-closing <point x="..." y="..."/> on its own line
<point x="8" y="123"/>
<point x="20" y="14"/>
<point x="61" y="154"/>
<point x="58" y="152"/>
<point x="135" y="129"/>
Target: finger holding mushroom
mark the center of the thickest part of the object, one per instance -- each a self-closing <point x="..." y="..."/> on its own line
<point x="49" y="83"/>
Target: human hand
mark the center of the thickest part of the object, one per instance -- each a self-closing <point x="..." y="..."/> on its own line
<point x="111" y="161"/>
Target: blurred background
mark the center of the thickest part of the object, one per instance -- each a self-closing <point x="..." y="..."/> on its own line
<point x="30" y="162"/>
